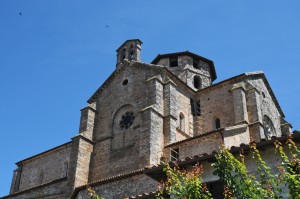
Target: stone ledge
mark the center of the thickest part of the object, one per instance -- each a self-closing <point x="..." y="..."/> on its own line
<point x="36" y="187"/>
<point x="198" y="136"/>
<point x="234" y="130"/>
<point x="84" y="138"/>
<point x="107" y="180"/>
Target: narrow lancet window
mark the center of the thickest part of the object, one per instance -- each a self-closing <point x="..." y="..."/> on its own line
<point x="197" y="82"/>
<point x="181" y="122"/>
<point x="217" y="123"/>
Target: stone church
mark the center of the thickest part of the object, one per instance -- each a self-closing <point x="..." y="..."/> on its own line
<point x="169" y="109"/>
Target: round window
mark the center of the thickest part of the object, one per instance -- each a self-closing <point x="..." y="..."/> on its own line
<point x="127" y="120"/>
<point x="125" y="82"/>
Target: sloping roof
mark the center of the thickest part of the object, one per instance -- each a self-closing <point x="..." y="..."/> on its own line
<point x="129" y="41"/>
<point x="210" y="62"/>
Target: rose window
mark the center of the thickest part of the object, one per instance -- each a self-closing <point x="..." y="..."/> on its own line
<point x="127" y="120"/>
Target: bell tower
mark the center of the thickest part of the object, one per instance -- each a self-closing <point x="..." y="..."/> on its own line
<point x="130" y="50"/>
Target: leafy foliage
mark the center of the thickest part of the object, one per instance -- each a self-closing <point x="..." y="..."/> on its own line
<point x="290" y="167"/>
<point x="239" y="183"/>
<point x="93" y="194"/>
<point x="182" y="184"/>
<point x="263" y="183"/>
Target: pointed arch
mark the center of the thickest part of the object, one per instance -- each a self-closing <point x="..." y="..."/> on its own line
<point x="269" y="128"/>
<point x="197" y="82"/>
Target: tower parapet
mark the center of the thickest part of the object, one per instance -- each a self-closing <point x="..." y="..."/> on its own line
<point x="130" y="50"/>
<point x="194" y="70"/>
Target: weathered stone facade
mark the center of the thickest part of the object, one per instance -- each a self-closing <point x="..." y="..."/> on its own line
<point x="145" y="112"/>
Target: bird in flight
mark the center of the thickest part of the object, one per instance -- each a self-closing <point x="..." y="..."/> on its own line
<point x="20" y="13"/>
<point x="107" y="26"/>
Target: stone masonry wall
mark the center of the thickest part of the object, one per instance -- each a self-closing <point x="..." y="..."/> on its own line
<point x="54" y="190"/>
<point x="119" y="150"/>
<point x="204" y="144"/>
<point x="216" y="102"/>
<point x="267" y="105"/>
<point x="183" y="106"/>
<point x="130" y="186"/>
<point x="45" y="168"/>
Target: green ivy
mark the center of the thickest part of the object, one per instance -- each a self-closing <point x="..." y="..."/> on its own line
<point x="182" y="184"/>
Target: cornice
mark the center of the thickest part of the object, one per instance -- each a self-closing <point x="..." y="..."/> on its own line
<point x="36" y="187"/>
<point x="107" y="180"/>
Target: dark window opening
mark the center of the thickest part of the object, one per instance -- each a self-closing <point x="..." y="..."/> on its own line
<point x="263" y="94"/>
<point x="123" y="54"/>
<point x="195" y="107"/>
<point x="218" y="123"/>
<point x="216" y="189"/>
<point x="181" y="122"/>
<point x="125" y="82"/>
<point x="174" y="62"/>
<point x="198" y="110"/>
<point x="131" y="57"/>
<point x="197" y="82"/>
<point x="174" y="154"/>
<point x="195" y="64"/>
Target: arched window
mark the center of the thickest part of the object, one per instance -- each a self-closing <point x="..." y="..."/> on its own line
<point x="181" y="122"/>
<point x="131" y="57"/>
<point x="197" y="82"/>
<point x="269" y="129"/>
<point x="173" y="62"/>
<point x="217" y="123"/>
<point x="195" y="64"/>
<point x="124" y="54"/>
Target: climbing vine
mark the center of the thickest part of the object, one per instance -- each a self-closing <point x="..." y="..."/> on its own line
<point x="182" y="184"/>
<point x="238" y="182"/>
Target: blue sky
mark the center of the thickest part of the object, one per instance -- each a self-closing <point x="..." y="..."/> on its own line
<point x="57" y="53"/>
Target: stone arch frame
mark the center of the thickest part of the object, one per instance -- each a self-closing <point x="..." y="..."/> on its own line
<point x="181" y="122"/>
<point x="197" y="82"/>
<point x="117" y="117"/>
<point x="269" y="129"/>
